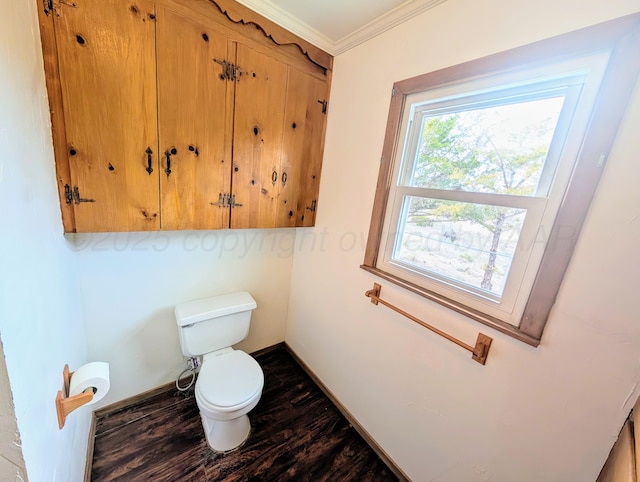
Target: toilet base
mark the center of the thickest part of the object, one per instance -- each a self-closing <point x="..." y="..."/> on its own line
<point x="225" y="435"/>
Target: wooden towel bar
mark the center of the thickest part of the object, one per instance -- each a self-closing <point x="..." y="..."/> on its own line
<point x="479" y="352"/>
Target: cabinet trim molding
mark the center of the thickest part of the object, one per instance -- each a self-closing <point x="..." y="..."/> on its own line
<point x="241" y="15"/>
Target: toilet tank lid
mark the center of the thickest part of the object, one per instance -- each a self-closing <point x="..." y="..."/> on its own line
<point x="198" y="310"/>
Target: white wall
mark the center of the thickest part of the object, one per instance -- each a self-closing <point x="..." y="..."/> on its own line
<point x="132" y="281"/>
<point x="40" y="314"/>
<point x="531" y="414"/>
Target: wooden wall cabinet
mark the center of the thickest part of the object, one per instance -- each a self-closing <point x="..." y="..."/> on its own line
<point x="190" y="114"/>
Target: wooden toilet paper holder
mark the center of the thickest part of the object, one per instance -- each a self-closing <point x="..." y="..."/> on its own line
<point x="66" y="404"/>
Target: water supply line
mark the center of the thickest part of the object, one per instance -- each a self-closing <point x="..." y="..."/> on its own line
<point x="193" y="364"/>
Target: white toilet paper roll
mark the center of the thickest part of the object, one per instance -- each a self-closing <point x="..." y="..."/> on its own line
<point x="92" y="375"/>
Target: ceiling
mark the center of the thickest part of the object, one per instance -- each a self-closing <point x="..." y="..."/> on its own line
<point x="338" y="25"/>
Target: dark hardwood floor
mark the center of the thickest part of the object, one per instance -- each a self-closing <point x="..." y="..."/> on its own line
<point x="297" y="434"/>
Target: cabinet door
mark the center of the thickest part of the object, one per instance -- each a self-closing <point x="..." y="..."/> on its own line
<point x="257" y="147"/>
<point x="106" y="53"/>
<point x="303" y="146"/>
<point x="195" y="103"/>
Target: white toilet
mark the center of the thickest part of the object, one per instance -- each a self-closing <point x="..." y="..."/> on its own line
<point x="230" y="381"/>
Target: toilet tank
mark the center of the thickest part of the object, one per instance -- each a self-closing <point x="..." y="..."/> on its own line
<point x="210" y="324"/>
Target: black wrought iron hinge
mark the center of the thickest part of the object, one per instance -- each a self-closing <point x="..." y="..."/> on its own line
<point x="73" y="195"/>
<point x="233" y="202"/>
<point x="237" y="72"/>
<point x="223" y="201"/>
<point x="226" y="201"/>
<point x="324" y="106"/>
<point x="229" y="71"/>
<point x="48" y="6"/>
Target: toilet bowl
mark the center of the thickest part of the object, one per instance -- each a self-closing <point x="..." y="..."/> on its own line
<point x="230" y="381"/>
<point x="229" y="386"/>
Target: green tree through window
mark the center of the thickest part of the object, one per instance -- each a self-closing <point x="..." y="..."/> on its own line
<point x="499" y="150"/>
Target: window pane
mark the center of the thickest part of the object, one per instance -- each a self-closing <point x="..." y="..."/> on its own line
<point x="467" y="244"/>
<point x="498" y="149"/>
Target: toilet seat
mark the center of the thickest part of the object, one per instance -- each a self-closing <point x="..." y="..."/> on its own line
<point x="229" y="382"/>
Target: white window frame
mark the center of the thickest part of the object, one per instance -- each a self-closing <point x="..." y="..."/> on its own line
<point x="579" y="81"/>
<point x="607" y="54"/>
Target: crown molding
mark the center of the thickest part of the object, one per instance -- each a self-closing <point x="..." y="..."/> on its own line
<point x="396" y="16"/>
<point x="293" y="24"/>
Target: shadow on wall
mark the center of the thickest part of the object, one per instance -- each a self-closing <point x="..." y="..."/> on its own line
<point x="156" y="339"/>
<point x="215" y="245"/>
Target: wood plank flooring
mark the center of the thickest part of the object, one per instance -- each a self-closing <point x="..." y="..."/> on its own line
<point x="297" y="434"/>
